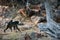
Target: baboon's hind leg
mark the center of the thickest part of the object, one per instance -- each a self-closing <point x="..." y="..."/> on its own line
<point x="6" y="29"/>
<point x="8" y="26"/>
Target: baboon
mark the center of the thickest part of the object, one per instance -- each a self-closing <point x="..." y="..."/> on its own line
<point x="13" y="24"/>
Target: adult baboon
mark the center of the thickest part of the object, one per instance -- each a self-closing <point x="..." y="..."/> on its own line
<point x="14" y="25"/>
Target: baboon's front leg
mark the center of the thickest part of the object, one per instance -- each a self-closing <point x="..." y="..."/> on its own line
<point x="17" y="28"/>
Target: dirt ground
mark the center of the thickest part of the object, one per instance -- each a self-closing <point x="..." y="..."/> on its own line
<point x="20" y="35"/>
<point x="16" y="35"/>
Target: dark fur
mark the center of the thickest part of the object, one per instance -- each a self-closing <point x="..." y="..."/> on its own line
<point x="12" y="24"/>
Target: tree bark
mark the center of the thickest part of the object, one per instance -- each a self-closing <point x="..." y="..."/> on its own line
<point x="51" y="24"/>
<point x="49" y="10"/>
<point x="50" y="18"/>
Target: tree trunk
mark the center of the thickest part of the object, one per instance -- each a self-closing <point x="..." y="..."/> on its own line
<point x="49" y="11"/>
<point x="49" y="16"/>
<point x="53" y="27"/>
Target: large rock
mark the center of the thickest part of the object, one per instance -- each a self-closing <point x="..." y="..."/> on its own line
<point x="37" y="19"/>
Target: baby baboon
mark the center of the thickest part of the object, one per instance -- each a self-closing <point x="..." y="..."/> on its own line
<point x="12" y="24"/>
